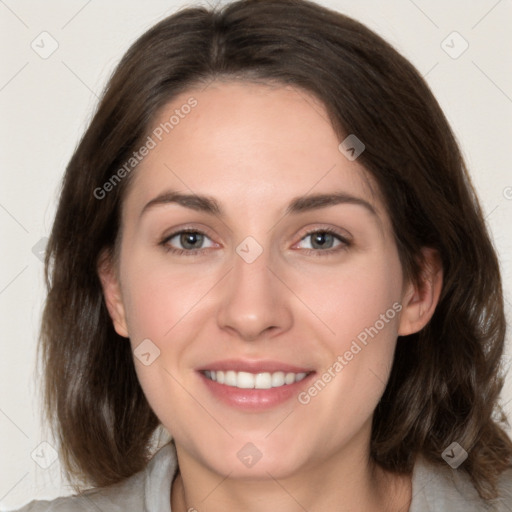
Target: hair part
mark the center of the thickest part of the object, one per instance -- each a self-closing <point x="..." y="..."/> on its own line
<point x="446" y="379"/>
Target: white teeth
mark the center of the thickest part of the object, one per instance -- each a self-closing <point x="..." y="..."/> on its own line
<point x="263" y="381"/>
<point x="246" y="380"/>
<point x="277" y="379"/>
<point x="290" y="377"/>
<point x="230" y="378"/>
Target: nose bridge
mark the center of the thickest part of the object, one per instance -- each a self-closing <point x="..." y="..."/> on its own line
<point x="253" y="301"/>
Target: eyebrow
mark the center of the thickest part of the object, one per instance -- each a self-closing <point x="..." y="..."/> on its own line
<point x="209" y="205"/>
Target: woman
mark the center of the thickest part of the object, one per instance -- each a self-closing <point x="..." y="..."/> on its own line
<point x="267" y="243"/>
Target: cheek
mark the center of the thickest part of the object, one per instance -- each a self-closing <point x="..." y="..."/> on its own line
<point x="357" y="346"/>
<point x="161" y="304"/>
<point x="351" y="299"/>
<point x="360" y="309"/>
<point x="158" y="297"/>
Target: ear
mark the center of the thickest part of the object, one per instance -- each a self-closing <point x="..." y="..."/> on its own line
<point x="419" y="300"/>
<point x="112" y="292"/>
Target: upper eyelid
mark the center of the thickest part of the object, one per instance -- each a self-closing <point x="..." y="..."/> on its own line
<point x="333" y="231"/>
<point x="185" y="229"/>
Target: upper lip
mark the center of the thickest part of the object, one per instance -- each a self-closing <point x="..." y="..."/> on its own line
<point x="260" y="366"/>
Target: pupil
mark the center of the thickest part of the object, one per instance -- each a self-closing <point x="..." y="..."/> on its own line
<point x="322" y="239"/>
<point x="188" y="240"/>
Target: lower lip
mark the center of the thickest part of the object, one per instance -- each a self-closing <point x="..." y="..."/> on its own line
<point x="255" y="399"/>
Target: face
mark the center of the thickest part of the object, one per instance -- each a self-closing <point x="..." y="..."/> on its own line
<point x="259" y="284"/>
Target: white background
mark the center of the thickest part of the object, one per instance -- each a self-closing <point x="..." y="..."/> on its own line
<point x="45" y="105"/>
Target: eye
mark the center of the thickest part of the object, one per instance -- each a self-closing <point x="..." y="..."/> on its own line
<point x="189" y="242"/>
<point x="325" y="240"/>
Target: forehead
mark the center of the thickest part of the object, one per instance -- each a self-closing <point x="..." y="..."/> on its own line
<point x="248" y="145"/>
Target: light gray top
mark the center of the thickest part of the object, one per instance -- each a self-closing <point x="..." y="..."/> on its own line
<point x="434" y="489"/>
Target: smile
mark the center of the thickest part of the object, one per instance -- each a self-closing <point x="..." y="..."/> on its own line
<point x="246" y="380"/>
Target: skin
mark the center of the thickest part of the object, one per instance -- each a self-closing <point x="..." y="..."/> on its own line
<point x="254" y="148"/>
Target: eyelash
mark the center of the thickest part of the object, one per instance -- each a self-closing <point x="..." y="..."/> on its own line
<point x="345" y="244"/>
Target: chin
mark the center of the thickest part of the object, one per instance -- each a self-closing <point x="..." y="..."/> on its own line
<point x="258" y="460"/>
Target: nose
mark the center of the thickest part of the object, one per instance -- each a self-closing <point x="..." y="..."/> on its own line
<point x="255" y="302"/>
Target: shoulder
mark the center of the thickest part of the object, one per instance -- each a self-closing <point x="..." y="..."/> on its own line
<point x="440" y="488"/>
<point x="126" y="496"/>
<point x="147" y="490"/>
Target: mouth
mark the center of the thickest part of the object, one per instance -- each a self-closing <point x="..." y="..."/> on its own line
<point x="254" y="385"/>
<point x="247" y="380"/>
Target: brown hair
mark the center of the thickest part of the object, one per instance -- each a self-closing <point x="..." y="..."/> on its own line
<point x="446" y="379"/>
